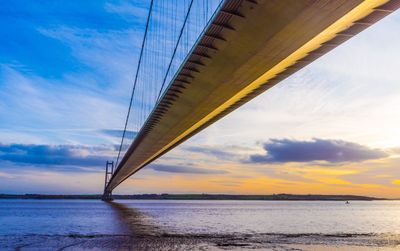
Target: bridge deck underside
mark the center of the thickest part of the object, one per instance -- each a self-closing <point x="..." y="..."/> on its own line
<point x="247" y="48"/>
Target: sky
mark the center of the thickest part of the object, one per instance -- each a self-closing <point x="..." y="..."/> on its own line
<point x="66" y="71"/>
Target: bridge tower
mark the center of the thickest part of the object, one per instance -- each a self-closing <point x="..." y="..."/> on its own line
<point x="107" y="196"/>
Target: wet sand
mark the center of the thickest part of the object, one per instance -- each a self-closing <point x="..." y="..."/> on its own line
<point x="276" y="242"/>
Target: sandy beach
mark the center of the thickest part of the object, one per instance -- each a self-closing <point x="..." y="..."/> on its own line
<point x="201" y="242"/>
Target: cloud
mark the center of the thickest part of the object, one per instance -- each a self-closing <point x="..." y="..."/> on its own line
<point x="228" y="183"/>
<point x="184" y="169"/>
<point x="394" y="150"/>
<point x="55" y="155"/>
<point x="333" y="151"/>
<point x="210" y="151"/>
<point x="126" y="10"/>
<point x="118" y="133"/>
<point x="54" y="113"/>
<point x="6" y="175"/>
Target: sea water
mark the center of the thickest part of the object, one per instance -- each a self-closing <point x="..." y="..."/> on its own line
<point x="310" y="220"/>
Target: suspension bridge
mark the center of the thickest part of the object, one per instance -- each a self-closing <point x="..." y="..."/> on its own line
<point x="201" y="59"/>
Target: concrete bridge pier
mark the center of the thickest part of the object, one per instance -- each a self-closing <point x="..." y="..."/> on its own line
<point x="107" y="196"/>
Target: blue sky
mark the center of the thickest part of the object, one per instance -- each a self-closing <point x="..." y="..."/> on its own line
<point x="66" y="70"/>
<point x="54" y="68"/>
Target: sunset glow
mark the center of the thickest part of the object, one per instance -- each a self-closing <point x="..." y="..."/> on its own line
<point x="331" y="128"/>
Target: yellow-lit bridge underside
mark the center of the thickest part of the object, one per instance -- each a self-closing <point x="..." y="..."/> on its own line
<point x="248" y="47"/>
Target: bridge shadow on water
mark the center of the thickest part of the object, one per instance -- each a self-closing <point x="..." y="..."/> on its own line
<point x="133" y="221"/>
<point x="143" y="234"/>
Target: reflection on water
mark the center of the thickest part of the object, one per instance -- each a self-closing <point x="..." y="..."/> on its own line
<point x="140" y="217"/>
<point x="270" y="217"/>
<point x="206" y="225"/>
<point x="133" y="221"/>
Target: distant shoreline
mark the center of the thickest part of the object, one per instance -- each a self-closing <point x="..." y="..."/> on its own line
<point x="273" y="197"/>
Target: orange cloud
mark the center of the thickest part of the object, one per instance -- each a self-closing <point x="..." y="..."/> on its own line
<point x="396" y="182"/>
